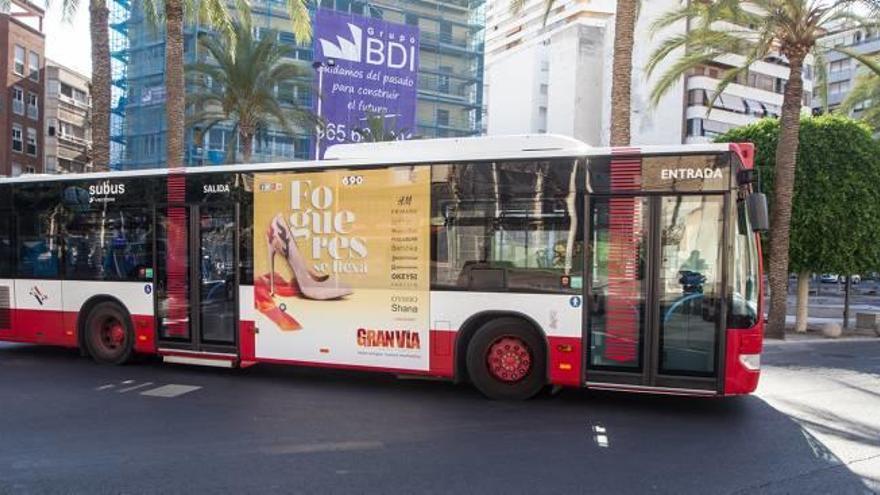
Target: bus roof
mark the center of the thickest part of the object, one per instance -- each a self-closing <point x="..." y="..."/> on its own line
<point x="444" y="150"/>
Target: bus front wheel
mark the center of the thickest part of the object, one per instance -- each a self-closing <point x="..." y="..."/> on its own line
<point x="109" y="334"/>
<point x="506" y="360"/>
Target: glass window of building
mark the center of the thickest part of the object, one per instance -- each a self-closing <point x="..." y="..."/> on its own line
<point x="34" y="66"/>
<point x="18" y="66"/>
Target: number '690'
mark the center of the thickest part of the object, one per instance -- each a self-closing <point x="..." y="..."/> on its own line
<point x="352" y="180"/>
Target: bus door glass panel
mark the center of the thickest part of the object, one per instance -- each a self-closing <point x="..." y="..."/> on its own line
<point x="618" y="243"/>
<point x="217" y="267"/>
<point x="689" y="285"/>
<point x="173" y="267"/>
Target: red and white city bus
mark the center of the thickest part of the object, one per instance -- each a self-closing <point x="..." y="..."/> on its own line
<point x="510" y="262"/>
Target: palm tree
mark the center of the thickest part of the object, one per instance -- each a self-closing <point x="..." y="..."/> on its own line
<point x="213" y="14"/>
<point x="99" y="29"/>
<point x="754" y="30"/>
<point x="238" y="87"/>
<point x="621" y="70"/>
<point x="380" y="128"/>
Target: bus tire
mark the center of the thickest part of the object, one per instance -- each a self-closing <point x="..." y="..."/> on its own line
<point x="506" y="360"/>
<point x="109" y="334"/>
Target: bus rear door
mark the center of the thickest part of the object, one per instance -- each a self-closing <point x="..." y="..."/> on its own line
<point x="197" y="278"/>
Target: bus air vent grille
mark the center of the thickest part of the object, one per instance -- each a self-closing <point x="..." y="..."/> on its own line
<point x="5" y="309"/>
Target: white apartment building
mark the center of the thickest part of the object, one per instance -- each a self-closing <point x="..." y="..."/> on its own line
<point x="556" y="78"/>
<point x="68" y="136"/>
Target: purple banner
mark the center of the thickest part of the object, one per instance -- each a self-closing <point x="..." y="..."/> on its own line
<point x="369" y="68"/>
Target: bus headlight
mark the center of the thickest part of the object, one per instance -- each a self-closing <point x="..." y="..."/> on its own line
<point x="751" y="361"/>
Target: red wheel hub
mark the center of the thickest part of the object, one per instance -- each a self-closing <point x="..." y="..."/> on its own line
<point x="509" y="359"/>
<point x="112" y="333"/>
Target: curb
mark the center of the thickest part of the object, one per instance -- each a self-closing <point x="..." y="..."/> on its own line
<point x="819" y="339"/>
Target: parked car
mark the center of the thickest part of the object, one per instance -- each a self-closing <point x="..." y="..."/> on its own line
<point x="833" y="278"/>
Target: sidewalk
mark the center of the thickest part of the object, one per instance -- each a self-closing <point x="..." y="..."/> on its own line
<point x="814" y="330"/>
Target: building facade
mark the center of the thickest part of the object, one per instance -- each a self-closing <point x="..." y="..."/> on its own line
<point x="68" y="135"/>
<point x="449" y="95"/>
<point x="547" y="77"/>
<point x="21" y="77"/>
<point x="843" y="70"/>
<point x="559" y="76"/>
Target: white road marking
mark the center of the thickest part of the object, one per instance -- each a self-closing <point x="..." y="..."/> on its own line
<point x="126" y="382"/>
<point x="129" y="389"/>
<point x="170" y="391"/>
<point x="105" y="387"/>
<point x="601" y="436"/>
<point x="313" y="448"/>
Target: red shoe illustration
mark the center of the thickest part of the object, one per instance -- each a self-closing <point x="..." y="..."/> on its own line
<point x="312" y="284"/>
<point x="265" y="303"/>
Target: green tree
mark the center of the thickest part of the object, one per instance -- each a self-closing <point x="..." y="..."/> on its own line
<point x="625" y="17"/>
<point x="238" y="87"/>
<point x="836" y="200"/>
<point x="214" y="14"/>
<point x="754" y="30"/>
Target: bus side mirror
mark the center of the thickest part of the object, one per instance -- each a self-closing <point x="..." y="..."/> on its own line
<point x="757" y="208"/>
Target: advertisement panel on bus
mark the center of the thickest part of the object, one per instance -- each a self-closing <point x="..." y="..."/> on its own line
<point x="342" y="266"/>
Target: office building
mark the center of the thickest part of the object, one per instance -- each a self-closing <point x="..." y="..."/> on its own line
<point x="68" y="135"/>
<point x="450" y="78"/>
<point x="21" y="76"/>
<point x="843" y="70"/>
<point x="556" y="78"/>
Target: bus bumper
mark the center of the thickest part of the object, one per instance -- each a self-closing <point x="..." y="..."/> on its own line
<point x="743" y="360"/>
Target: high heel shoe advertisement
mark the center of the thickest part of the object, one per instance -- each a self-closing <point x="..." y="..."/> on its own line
<point x="341" y="266"/>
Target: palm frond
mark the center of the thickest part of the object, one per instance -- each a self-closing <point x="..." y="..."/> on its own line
<point x="298" y="10"/>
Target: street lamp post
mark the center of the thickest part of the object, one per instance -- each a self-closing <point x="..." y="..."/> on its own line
<point x="320" y="67"/>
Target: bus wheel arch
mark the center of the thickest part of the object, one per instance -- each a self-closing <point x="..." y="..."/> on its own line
<point x="485" y="327"/>
<point x="110" y="308"/>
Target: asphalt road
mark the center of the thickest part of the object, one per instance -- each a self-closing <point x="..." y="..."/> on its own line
<point x="68" y="425"/>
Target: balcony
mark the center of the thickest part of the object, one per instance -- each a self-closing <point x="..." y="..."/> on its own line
<point x="33" y="112"/>
<point x="74" y="102"/>
<point x="71" y="139"/>
<point x="18" y="107"/>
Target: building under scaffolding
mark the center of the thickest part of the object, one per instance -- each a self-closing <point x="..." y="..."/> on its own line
<point x="450" y="77"/>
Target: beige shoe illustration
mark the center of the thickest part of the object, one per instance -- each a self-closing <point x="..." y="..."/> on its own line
<point x="312" y="284"/>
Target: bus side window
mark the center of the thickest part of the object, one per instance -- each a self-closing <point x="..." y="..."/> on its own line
<point x="108" y="244"/>
<point x="38" y="243"/>
<point x="7" y="228"/>
<point x="508" y="226"/>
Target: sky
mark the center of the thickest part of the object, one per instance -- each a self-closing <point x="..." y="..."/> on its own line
<point x="69" y="43"/>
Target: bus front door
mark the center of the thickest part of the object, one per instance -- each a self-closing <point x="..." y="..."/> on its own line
<point x="655" y="292"/>
<point x="197" y="285"/>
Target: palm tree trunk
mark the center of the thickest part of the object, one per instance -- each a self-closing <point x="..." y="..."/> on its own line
<point x="780" y="224"/>
<point x="100" y="34"/>
<point x="175" y="96"/>
<point x="247" y="142"/>
<point x="621" y="80"/>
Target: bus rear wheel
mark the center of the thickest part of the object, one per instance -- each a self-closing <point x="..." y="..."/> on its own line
<point x="109" y="335"/>
<point x="506" y="360"/>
